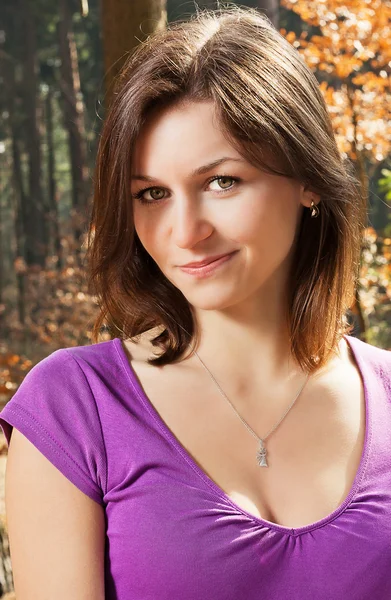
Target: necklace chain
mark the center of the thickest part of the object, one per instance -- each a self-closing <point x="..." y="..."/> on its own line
<point x="241" y="418"/>
<point x="262" y="453"/>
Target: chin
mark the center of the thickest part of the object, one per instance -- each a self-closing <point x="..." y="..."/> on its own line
<point x="210" y="300"/>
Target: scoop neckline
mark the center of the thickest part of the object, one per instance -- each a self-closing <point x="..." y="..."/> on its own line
<point x="216" y="489"/>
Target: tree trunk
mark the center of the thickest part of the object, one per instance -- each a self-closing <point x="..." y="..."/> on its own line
<point x="73" y="108"/>
<point x="124" y="24"/>
<point x="19" y="195"/>
<point x="2" y="285"/>
<point x="19" y="202"/>
<point x="53" y="208"/>
<point x="271" y="9"/>
<point x="36" y="233"/>
<point x="356" y="308"/>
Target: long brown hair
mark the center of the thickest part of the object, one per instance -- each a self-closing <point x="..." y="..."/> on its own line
<point x="268" y="102"/>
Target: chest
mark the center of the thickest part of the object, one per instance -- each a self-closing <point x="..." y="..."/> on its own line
<point x="313" y="455"/>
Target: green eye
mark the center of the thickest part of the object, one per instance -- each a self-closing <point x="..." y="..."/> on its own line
<point x="224" y="182"/>
<point x="159" y="191"/>
<point x="156" y="195"/>
<point x="222" y="179"/>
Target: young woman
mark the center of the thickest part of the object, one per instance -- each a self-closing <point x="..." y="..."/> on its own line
<point x="232" y="441"/>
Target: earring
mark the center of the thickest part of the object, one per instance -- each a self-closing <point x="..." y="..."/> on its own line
<point x="314" y="210"/>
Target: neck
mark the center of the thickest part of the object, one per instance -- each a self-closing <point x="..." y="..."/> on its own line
<point x="250" y="351"/>
<point x="254" y="339"/>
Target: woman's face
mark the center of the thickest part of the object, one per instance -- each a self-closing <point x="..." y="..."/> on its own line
<point x="190" y="214"/>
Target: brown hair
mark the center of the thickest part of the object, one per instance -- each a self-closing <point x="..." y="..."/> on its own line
<point x="268" y="102"/>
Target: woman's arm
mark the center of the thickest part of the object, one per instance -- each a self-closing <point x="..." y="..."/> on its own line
<point x="56" y="532"/>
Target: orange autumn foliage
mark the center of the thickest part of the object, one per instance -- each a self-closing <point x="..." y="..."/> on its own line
<point x="351" y="54"/>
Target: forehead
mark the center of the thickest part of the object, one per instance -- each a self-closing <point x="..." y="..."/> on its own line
<point x="187" y="133"/>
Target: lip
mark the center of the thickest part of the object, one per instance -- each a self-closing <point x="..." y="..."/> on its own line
<point x="207" y="270"/>
<point x="206" y="261"/>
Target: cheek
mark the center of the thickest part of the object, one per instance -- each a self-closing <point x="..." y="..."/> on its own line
<point x="265" y="223"/>
<point x="148" y="233"/>
<point x="250" y="222"/>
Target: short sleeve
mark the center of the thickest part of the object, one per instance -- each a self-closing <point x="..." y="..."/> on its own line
<point x="54" y="408"/>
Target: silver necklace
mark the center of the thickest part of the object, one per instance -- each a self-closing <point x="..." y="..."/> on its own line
<point x="261" y="453"/>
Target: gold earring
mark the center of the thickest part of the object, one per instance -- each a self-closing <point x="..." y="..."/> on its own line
<point x="314" y="210"/>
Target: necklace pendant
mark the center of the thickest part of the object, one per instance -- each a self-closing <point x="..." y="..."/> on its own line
<point x="261" y="455"/>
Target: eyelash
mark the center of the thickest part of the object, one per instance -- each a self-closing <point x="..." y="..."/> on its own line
<point x="139" y="194"/>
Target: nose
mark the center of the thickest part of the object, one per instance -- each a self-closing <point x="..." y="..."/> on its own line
<point x="189" y="223"/>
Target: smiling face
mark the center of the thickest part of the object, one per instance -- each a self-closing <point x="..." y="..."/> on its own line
<point x="193" y="210"/>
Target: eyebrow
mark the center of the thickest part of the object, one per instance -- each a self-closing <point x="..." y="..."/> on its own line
<point x="199" y="171"/>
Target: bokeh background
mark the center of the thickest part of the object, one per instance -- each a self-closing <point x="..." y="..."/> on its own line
<point x="58" y="60"/>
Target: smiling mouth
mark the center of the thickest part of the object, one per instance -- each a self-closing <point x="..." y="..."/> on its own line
<point x="206" y="261"/>
<point x="206" y="269"/>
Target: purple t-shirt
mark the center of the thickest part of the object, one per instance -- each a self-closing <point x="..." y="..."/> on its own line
<point x="172" y="533"/>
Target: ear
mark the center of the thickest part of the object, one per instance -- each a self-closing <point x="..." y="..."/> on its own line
<point x="307" y="196"/>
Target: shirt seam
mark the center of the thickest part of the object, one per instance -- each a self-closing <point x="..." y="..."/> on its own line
<point x="99" y="419"/>
<point x="38" y="428"/>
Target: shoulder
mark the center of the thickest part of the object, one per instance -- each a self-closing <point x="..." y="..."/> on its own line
<point x="69" y="357"/>
<point x="91" y="352"/>
<point x="369" y="350"/>
<point x="65" y="378"/>
<point x="75" y="362"/>
<point x="57" y="408"/>
<point x="373" y="359"/>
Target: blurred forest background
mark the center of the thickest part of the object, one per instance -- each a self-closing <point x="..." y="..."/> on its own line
<point x="58" y="59"/>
